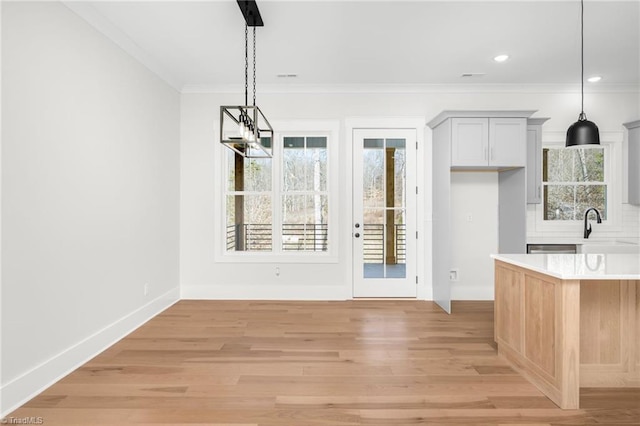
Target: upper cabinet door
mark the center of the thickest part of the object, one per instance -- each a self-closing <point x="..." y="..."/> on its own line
<point x="469" y="142"/>
<point x="508" y="142"/>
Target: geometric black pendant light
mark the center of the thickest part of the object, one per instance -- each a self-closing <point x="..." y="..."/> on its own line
<point x="583" y="133"/>
<point x="244" y="128"/>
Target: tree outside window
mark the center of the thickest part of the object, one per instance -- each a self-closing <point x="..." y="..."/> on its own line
<point x="305" y="207"/>
<point x="302" y="199"/>
<point x="573" y="180"/>
<point x="248" y="203"/>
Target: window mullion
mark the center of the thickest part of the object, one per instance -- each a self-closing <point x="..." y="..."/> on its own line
<point x="278" y="196"/>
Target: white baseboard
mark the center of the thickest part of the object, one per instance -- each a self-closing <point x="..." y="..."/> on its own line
<point x="23" y="388"/>
<point x="265" y="292"/>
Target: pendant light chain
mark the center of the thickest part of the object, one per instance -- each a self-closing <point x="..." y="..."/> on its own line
<point x="246" y="64"/>
<point x="254" y="66"/>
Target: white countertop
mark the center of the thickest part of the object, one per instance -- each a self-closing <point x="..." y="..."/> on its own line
<point x="581" y="241"/>
<point x="591" y="266"/>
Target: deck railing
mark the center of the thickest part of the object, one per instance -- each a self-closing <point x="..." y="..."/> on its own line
<point x="295" y="237"/>
<point x="374" y="243"/>
<point x="314" y="237"/>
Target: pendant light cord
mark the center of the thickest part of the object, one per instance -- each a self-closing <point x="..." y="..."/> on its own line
<point x="582" y="114"/>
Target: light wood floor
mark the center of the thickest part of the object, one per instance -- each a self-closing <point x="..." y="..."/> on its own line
<point x="313" y="363"/>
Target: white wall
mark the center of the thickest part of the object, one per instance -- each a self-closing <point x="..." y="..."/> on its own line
<point x="90" y="157"/>
<point x="202" y="276"/>
<point x="474" y="233"/>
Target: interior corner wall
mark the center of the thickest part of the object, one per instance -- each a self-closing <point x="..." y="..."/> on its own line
<point x="90" y="195"/>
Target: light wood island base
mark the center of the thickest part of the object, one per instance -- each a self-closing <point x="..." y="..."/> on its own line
<point x="563" y="334"/>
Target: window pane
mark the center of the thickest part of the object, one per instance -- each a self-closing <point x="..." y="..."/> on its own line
<point x="373" y="243"/>
<point x="396" y="143"/>
<point x="293" y="142"/>
<point x="384" y="243"/>
<point x="316" y="167"/>
<point x="559" y="202"/>
<point x="255" y="173"/>
<point x="304" y="222"/>
<point x="400" y="224"/>
<point x="569" y="202"/>
<point x="591" y="196"/>
<point x="589" y="165"/>
<point x="373" y="176"/>
<point x="294" y="168"/>
<point x="560" y="165"/>
<point x="399" y="159"/>
<point x="305" y="164"/>
<point x="574" y="165"/>
<point x="317" y="142"/>
<point x="373" y="143"/>
<point x="249" y="223"/>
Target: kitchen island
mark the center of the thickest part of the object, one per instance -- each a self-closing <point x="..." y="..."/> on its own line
<point x="567" y="321"/>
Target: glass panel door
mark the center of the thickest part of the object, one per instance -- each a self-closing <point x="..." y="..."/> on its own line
<point x="384" y="213"/>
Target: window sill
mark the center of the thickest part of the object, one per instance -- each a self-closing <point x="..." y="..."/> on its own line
<point x="248" y="257"/>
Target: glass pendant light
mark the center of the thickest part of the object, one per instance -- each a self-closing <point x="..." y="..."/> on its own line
<point x="583" y="133"/>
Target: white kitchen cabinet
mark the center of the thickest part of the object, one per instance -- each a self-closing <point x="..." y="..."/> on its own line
<point x="534" y="160"/>
<point x="469" y="141"/>
<point x="633" y="162"/>
<point x="507" y="142"/>
<point x="488" y="142"/>
<point x="463" y="140"/>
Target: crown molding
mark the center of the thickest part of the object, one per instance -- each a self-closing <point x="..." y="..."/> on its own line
<point x="94" y="18"/>
<point x="444" y="115"/>
<point x="410" y="88"/>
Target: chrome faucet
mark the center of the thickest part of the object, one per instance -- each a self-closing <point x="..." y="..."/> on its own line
<point x="587" y="229"/>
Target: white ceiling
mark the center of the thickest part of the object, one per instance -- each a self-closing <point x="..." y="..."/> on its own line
<point x="336" y="43"/>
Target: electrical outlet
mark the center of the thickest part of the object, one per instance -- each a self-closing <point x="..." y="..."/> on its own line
<point x="453" y="275"/>
<point x="277" y="271"/>
<point x="145" y="289"/>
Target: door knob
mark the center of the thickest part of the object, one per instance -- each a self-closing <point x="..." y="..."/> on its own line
<point x="357" y="235"/>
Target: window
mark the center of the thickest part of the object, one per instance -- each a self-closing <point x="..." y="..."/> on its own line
<point x="304" y="194"/>
<point x="573" y="180"/>
<point x="280" y="205"/>
<point x="248" y="203"/>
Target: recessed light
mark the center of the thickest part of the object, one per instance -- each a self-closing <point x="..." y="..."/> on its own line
<point x="501" y="58"/>
<point x="594" y="79"/>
